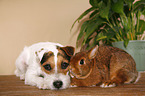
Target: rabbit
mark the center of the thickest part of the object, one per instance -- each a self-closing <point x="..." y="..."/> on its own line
<point x="106" y="66"/>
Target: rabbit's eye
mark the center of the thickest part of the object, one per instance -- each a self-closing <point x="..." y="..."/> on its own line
<point x="81" y="61"/>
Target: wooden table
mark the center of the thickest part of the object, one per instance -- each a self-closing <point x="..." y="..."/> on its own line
<point x="13" y="86"/>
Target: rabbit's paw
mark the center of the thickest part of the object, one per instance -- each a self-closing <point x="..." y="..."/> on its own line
<point x="108" y="84"/>
<point x="73" y="85"/>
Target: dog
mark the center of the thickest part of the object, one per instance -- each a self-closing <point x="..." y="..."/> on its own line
<point x="45" y="65"/>
<point x="102" y="65"/>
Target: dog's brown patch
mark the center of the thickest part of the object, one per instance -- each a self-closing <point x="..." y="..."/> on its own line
<point x="63" y="58"/>
<point x="69" y="50"/>
<point x="47" y="62"/>
<point x="62" y="62"/>
<point x="39" y="51"/>
<point x="46" y="56"/>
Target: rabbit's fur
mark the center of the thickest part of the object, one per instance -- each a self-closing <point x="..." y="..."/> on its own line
<point x="105" y="65"/>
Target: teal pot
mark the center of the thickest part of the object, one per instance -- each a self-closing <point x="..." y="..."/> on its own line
<point x="136" y="48"/>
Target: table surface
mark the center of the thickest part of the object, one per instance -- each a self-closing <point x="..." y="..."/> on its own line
<point x="11" y="85"/>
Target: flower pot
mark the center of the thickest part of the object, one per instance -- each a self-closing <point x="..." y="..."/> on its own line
<point x="136" y="48"/>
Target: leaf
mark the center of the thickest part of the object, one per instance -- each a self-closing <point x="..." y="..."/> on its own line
<point x="126" y="43"/>
<point x="101" y="5"/>
<point x="110" y="34"/>
<point x="118" y="6"/>
<point x="113" y="39"/>
<point x="85" y="13"/>
<point x="94" y="3"/>
<point x="93" y="25"/>
<point x="82" y="15"/>
<point x="90" y="29"/>
<point x="141" y="26"/>
<point x="104" y="12"/>
<point x="100" y="36"/>
<point x="143" y="12"/>
<point x="129" y="3"/>
<point x="82" y="30"/>
<point x="94" y="13"/>
<point x="124" y="22"/>
<point x="114" y="1"/>
<point x="126" y="9"/>
<point x="139" y="5"/>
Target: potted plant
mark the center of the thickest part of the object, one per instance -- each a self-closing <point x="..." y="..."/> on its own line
<point x="113" y="21"/>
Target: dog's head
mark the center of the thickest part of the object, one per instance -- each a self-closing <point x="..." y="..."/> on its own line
<point x="81" y="63"/>
<point x="55" y="65"/>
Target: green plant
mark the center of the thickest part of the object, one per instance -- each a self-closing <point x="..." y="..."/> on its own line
<point x="112" y="20"/>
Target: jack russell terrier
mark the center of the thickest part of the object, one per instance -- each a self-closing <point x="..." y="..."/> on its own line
<point x="45" y="65"/>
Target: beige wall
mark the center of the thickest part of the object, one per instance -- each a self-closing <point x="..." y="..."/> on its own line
<point x="24" y="22"/>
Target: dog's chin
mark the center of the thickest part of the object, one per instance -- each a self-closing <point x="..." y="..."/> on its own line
<point x="53" y="88"/>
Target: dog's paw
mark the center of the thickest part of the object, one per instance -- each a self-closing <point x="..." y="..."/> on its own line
<point x="107" y="85"/>
<point x="22" y="77"/>
<point x="38" y="82"/>
<point x="42" y="86"/>
<point x="19" y="74"/>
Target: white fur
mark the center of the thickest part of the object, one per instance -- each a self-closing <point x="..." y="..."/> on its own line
<point x="54" y="77"/>
<point x="55" y="60"/>
<point x="139" y="76"/>
<point x="107" y="86"/>
<point x="28" y="67"/>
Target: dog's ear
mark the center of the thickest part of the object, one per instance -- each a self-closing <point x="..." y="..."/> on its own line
<point x="69" y="50"/>
<point x="92" y="52"/>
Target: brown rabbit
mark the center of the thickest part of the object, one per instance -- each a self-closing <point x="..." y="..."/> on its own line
<point x="105" y="65"/>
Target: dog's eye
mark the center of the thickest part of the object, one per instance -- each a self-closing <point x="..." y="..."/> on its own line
<point x="47" y="67"/>
<point x="81" y="61"/>
<point x="64" y="65"/>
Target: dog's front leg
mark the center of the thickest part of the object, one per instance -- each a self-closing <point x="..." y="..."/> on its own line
<point x="34" y="79"/>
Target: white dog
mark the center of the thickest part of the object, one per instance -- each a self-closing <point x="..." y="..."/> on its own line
<point x="45" y="65"/>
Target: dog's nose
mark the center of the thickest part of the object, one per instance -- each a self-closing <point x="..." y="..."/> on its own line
<point x="57" y="84"/>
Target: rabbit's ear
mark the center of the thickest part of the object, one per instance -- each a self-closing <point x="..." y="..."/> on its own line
<point x="93" y="51"/>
